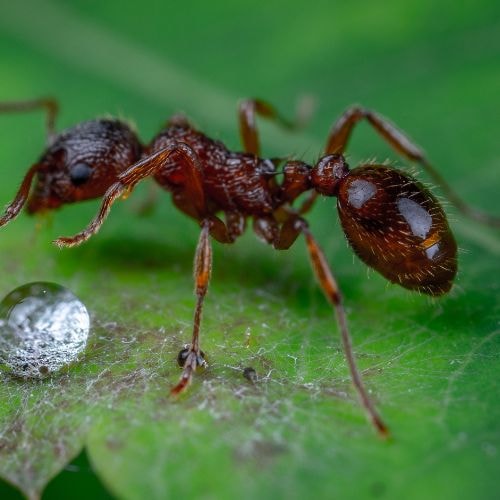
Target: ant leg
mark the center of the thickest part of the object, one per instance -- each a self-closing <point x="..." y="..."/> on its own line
<point x="339" y="137"/>
<point x="288" y="233"/>
<point x="235" y="223"/>
<point x="334" y="296"/>
<point x="266" y="228"/>
<point x="192" y="357"/>
<point x="193" y="201"/>
<point x="329" y="285"/>
<point x="13" y="209"/>
<point x="229" y="231"/>
<point x="249" y="108"/>
<point x="224" y="232"/>
<point x="50" y="105"/>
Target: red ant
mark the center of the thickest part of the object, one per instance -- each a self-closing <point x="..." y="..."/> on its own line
<point x="392" y="222"/>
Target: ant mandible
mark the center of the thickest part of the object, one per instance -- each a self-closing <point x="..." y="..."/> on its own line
<point x="393" y="223"/>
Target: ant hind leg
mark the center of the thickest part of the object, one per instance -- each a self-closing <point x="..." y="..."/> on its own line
<point x="332" y="292"/>
<point x="339" y="137"/>
<point x="289" y="232"/>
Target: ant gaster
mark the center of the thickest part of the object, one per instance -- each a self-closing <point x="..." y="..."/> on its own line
<point x="393" y="223"/>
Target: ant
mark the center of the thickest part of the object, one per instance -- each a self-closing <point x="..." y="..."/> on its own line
<point x="392" y="222"/>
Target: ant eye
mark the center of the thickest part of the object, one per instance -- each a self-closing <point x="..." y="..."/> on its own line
<point x="80" y="173"/>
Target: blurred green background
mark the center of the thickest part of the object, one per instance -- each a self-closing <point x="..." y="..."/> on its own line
<point x="434" y="69"/>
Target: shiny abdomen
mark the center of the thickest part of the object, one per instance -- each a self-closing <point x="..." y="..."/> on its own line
<point x="398" y="227"/>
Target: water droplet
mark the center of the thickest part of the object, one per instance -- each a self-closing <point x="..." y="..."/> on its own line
<point x="43" y="327"/>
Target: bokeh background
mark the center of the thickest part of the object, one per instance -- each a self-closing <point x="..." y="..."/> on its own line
<point x="434" y="69"/>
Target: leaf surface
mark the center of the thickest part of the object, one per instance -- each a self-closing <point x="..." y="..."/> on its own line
<point x="431" y="365"/>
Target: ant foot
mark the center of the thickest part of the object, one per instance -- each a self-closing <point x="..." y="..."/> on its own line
<point x="191" y="360"/>
<point x="188" y="352"/>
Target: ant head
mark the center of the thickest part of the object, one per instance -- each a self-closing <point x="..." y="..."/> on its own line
<point x="327" y="174"/>
<point x="395" y="225"/>
<point x="80" y="164"/>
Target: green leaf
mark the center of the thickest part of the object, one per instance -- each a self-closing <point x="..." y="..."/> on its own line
<point x="431" y="365"/>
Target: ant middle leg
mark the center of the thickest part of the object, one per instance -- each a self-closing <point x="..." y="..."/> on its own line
<point x="192" y="358"/>
<point x="249" y="109"/>
<point x="47" y="103"/>
<point x="341" y="131"/>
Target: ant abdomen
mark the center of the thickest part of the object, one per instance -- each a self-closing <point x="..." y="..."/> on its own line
<point x="396" y="226"/>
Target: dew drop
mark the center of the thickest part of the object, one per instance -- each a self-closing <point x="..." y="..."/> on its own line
<point x="43" y="327"/>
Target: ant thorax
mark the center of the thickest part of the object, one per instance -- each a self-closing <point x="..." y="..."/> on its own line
<point x="233" y="181"/>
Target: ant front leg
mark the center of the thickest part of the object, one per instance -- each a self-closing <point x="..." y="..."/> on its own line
<point x="289" y="233"/>
<point x="341" y="131"/>
<point x="47" y="103"/>
<point x="12" y="210"/>
<point x="191" y="202"/>
<point x="193" y="357"/>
